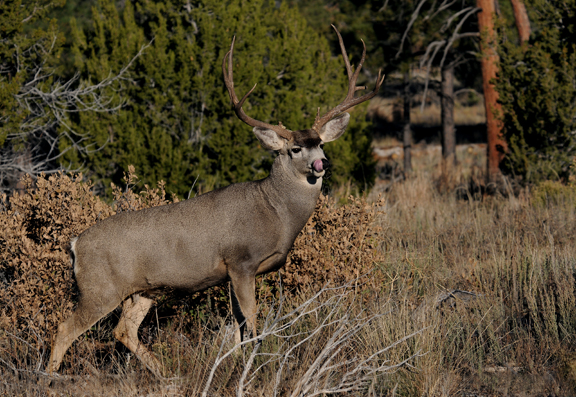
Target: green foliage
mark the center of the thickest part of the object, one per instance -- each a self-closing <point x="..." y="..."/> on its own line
<point x="351" y="155"/>
<point x="553" y="193"/>
<point x="381" y="27"/>
<point x="177" y="124"/>
<point x="537" y="87"/>
<point x="21" y="51"/>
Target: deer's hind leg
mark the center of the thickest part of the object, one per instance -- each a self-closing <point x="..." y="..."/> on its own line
<point x="88" y="312"/>
<point x="134" y="310"/>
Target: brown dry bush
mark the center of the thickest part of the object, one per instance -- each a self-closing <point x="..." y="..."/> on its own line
<point x="37" y="225"/>
<point x="337" y="245"/>
<point x="130" y="200"/>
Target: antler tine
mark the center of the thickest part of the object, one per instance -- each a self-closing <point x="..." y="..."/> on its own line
<point x="229" y="82"/>
<point x="344" y="53"/>
<point x="351" y="77"/>
<point x="349" y="101"/>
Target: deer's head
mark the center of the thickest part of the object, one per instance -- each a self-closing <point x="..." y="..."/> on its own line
<point x="304" y="148"/>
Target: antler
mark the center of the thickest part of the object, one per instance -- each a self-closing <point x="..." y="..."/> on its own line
<point x="349" y="101"/>
<point x="229" y="81"/>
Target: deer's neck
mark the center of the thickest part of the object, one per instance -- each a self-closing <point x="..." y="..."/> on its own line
<point x="290" y="192"/>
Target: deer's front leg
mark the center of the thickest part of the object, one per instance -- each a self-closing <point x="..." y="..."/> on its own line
<point x="244" y="304"/>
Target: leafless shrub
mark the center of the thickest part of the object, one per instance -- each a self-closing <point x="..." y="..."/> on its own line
<point x="330" y="326"/>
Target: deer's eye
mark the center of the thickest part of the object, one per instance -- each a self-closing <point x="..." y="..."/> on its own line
<point x="296" y="150"/>
<point x="321" y="146"/>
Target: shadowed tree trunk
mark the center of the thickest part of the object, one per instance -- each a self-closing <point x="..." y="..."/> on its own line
<point x="448" y="129"/>
<point x="496" y="145"/>
<point x="407" y="132"/>
<point x="522" y="21"/>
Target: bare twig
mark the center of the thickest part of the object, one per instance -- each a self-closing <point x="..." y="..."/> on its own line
<point x="445" y="44"/>
<point x="412" y="20"/>
<point x="338" y="367"/>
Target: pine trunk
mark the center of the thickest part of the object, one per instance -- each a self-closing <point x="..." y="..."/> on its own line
<point x="522" y="21"/>
<point x="407" y="132"/>
<point x="496" y="145"/>
<point x="448" y="129"/>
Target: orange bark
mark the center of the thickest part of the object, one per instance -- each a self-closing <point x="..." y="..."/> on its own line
<point x="496" y="145"/>
<point x="522" y="21"/>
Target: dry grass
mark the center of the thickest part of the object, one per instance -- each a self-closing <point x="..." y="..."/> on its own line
<point x="517" y="259"/>
<point x="466" y="297"/>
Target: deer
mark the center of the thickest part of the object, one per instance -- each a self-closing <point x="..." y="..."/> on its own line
<point x="232" y="234"/>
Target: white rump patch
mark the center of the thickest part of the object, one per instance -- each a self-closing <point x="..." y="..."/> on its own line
<point x="73" y="255"/>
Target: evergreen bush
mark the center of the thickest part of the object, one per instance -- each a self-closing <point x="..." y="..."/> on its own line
<point x="176" y="123"/>
<point x="537" y="87"/>
<point x="28" y="63"/>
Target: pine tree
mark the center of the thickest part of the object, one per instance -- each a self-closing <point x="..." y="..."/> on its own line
<point x="177" y="123"/>
<point x="537" y="87"/>
<point x="27" y="60"/>
<point x="35" y="99"/>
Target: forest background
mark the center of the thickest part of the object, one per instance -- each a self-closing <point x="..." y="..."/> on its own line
<point x="96" y="86"/>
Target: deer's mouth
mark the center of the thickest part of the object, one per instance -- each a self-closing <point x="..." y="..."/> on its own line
<point x="318" y="168"/>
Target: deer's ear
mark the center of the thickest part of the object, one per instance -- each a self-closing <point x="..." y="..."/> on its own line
<point x="333" y="129"/>
<point x="269" y="139"/>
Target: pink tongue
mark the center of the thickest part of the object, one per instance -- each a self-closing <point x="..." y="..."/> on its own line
<point x="318" y="165"/>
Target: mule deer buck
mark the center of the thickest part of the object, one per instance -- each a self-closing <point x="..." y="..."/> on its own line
<point x="234" y="233"/>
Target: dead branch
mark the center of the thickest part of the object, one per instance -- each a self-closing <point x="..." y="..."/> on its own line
<point x="445" y="44"/>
